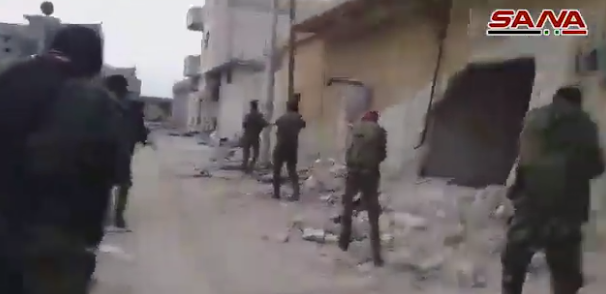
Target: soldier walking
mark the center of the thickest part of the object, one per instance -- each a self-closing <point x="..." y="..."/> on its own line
<point x="253" y="124"/>
<point x="58" y="165"/>
<point x="366" y="152"/>
<point x="286" y="149"/>
<point x="134" y="131"/>
<point x="559" y="155"/>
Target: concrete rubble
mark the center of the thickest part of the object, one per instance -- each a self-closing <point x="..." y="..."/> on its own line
<point x="432" y="230"/>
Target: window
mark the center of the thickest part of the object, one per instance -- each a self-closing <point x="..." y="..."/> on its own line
<point x="7" y="50"/>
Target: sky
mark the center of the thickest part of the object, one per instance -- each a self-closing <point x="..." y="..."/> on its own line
<point x="150" y="35"/>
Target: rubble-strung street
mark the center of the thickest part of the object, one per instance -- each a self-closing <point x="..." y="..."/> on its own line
<point x="221" y="233"/>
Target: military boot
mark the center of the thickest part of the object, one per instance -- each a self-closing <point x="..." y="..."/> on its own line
<point x="512" y="284"/>
<point x="563" y="286"/>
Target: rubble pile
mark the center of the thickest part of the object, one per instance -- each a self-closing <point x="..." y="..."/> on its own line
<point x="432" y="230"/>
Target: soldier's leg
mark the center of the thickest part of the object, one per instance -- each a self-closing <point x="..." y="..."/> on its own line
<point x="245" y="155"/>
<point x="515" y="259"/>
<point x="278" y="162"/>
<point x="351" y="189"/>
<point x="121" y="202"/>
<point x="565" y="264"/>
<point x="255" y="155"/>
<point x="370" y="197"/>
<point x="293" y="176"/>
<point x="122" y="192"/>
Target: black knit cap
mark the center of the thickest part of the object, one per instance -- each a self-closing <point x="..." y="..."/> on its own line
<point x="117" y="83"/>
<point x="571" y="94"/>
<point x="83" y="46"/>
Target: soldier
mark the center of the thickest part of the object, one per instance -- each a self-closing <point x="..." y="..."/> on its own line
<point x="134" y="132"/>
<point x="253" y="124"/>
<point x="368" y="148"/>
<point x="559" y="155"/>
<point x="286" y="149"/>
<point x="58" y="163"/>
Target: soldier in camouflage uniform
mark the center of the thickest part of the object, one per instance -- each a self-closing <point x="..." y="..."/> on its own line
<point x="559" y="155"/>
<point x="134" y="131"/>
<point x="60" y="156"/>
<point x="367" y="150"/>
<point x="253" y="124"/>
<point x="286" y="149"/>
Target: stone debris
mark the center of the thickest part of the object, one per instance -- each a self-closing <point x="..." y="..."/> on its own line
<point x="470" y="275"/>
<point x="407" y="220"/>
<point x="313" y="235"/>
<point x="428" y="230"/>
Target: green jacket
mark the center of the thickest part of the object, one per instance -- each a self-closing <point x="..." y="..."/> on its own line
<point x="563" y="136"/>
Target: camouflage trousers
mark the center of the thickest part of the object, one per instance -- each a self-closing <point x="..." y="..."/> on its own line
<point x="366" y="183"/>
<point x="54" y="262"/>
<point x="562" y="244"/>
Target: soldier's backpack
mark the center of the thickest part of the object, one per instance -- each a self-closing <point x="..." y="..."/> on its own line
<point x="364" y="150"/>
<point x="553" y="147"/>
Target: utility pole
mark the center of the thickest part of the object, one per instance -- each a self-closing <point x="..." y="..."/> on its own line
<point x="270" y="82"/>
<point x="291" y="49"/>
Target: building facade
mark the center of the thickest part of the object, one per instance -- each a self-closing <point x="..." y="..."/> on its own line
<point x="452" y="100"/>
<point x="235" y="41"/>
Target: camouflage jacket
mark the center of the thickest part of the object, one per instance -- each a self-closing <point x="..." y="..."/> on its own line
<point x="558" y="128"/>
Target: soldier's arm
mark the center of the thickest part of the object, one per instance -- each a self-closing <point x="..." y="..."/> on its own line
<point x="595" y="160"/>
<point x="302" y="122"/>
<point x="383" y="145"/>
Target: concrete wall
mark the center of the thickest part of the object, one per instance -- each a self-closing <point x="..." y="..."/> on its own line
<point x="401" y="73"/>
<point x="235" y="96"/>
<point x="251" y="32"/>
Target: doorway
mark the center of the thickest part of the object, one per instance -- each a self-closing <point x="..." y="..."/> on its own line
<point x="474" y="129"/>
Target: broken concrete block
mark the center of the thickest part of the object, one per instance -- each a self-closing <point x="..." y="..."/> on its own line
<point x="403" y="219"/>
<point x="470" y="275"/>
<point x="455" y="236"/>
<point x="331" y="238"/>
<point x="314" y="235"/>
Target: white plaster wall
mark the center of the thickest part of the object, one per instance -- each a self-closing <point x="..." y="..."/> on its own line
<point x="251" y="32"/>
<point x="233" y="104"/>
<point x="217" y="25"/>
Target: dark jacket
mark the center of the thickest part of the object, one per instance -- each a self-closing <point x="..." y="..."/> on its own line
<point x="253" y="124"/>
<point x="289" y="126"/>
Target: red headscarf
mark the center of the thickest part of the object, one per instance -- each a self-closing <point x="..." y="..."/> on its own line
<point x="371" y="116"/>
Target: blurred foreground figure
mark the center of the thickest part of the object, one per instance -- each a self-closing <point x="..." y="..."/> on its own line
<point x="253" y="124"/>
<point x="286" y="149"/>
<point x="559" y="155"/>
<point x="366" y="152"/>
<point x="133" y="132"/>
<point x="59" y="153"/>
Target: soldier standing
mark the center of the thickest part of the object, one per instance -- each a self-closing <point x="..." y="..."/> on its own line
<point x="286" y="149"/>
<point x="559" y="155"/>
<point x="253" y="124"/>
<point x="368" y="148"/>
<point x="134" y="132"/>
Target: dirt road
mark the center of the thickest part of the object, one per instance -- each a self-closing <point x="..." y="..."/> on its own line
<point x="200" y="236"/>
<point x="210" y="236"/>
